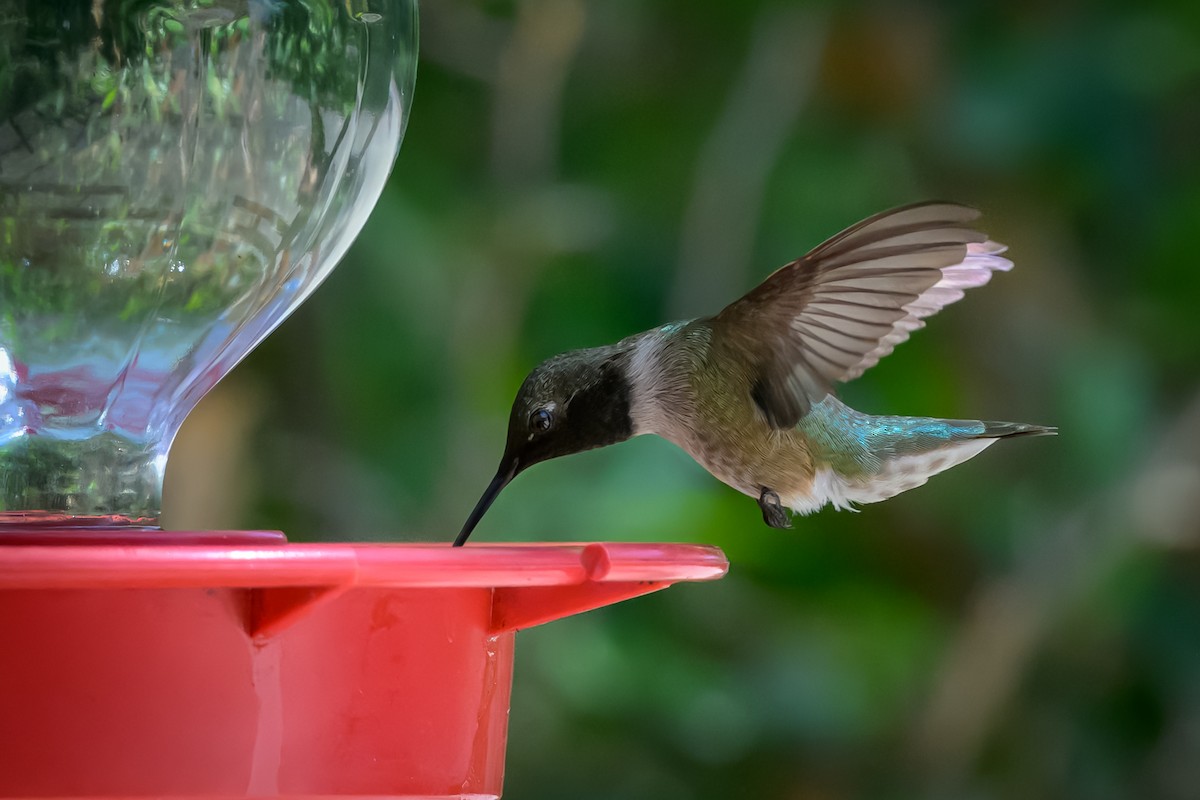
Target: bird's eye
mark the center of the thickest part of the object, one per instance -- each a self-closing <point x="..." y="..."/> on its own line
<point x="541" y="420"/>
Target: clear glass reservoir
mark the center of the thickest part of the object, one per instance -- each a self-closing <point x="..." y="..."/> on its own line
<point x="175" y="178"/>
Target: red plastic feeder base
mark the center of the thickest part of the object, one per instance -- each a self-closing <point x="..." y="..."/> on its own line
<point x="225" y="665"/>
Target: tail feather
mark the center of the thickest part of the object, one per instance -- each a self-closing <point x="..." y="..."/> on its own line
<point x="1014" y="430"/>
<point x="870" y="458"/>
<point x="903" y="472"/>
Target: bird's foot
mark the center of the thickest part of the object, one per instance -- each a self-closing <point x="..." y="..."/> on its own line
<point x="772" y="510"/>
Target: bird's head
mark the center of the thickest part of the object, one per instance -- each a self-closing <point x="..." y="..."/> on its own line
<point x="570" y="403"/>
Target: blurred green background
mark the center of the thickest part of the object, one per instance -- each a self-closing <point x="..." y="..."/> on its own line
<point x="1026" y="625"/>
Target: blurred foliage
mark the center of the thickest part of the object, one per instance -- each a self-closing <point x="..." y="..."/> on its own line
<point x="123" y="38"/>
<point x="1026" y="625"/>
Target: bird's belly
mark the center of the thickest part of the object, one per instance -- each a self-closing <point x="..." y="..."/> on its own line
<point x="776" y="460"/>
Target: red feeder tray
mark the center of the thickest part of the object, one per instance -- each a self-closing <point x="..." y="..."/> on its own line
<point x="233" y="664"/>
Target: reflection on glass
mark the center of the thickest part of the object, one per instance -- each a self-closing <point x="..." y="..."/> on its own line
<point x="175" y="178"/>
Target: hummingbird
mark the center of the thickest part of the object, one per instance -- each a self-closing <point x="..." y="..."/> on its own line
<point x="749" y="393"/>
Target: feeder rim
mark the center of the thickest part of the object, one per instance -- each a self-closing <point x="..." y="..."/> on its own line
<point x="232" y="565"/>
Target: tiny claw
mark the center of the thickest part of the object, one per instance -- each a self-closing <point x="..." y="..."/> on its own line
<point x="772" y="510"/>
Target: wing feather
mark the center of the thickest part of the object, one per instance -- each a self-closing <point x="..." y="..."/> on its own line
<point x="831" y="315"/>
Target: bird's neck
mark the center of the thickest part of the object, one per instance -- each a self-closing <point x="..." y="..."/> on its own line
<point x="660" y="368"/>
<point x="602" y="404"/>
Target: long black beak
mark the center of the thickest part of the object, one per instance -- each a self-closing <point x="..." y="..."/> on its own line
<point x="508" y="471"/>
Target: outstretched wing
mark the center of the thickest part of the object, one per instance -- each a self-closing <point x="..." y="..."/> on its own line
<point x="832" y="314"/>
